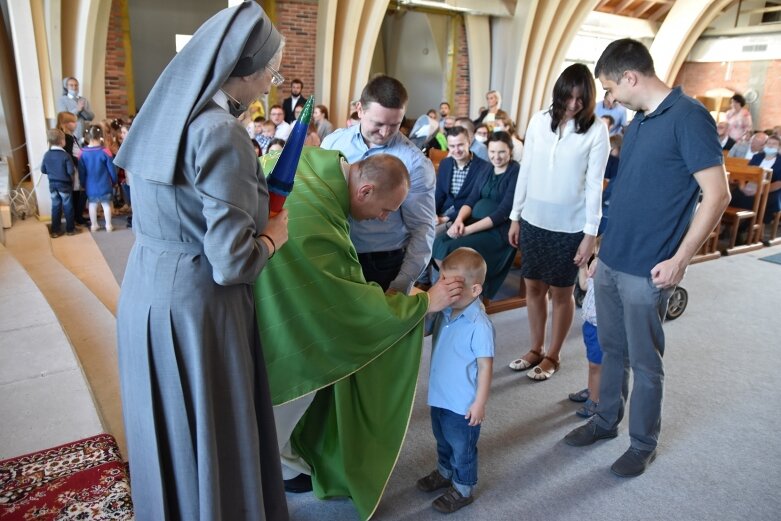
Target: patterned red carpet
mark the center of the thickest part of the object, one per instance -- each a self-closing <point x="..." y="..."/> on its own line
<point x="85" y="479"/>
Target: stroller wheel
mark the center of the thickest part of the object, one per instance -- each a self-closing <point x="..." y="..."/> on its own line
<point x="677" y="303"/>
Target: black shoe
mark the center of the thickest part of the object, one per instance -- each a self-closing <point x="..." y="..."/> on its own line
<point x="432" y="482"/>
<point x="451" y="501"/>
<point x="299" y="484"/>
<point x="580" y="396"/>
<point x="587" y="434"/>
<point x="633" y="462"/>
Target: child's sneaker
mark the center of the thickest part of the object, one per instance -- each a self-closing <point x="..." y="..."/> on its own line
<point x="451" y="501"/>
<point x="109" y="228"/>
<point x="588" y="410"/>
<point x="94" y="228"/>
<point x="432" y="482"/>
<point x="580" y="396"/>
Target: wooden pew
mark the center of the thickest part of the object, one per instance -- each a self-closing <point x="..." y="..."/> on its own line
<point x="513" y="302"/>
<point x="731" y="162"/>
<point x="436" y="155"/>
<point x="710" y="248"/>
<point x="733" y="217"/>
<point x="773" y="238"/>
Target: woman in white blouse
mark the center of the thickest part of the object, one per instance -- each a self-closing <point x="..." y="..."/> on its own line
<point x="556" y="210"/>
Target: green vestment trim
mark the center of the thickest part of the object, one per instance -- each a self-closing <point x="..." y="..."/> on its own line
<point x="324" y="328"/>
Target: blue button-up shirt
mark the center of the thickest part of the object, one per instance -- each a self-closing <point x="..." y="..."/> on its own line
<point x="455" y="347"/>
<point x="412" y="227"/>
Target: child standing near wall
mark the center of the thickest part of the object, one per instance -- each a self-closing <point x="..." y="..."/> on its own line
<point x="58" y="165"/>
<point x="98" y="176"/>
<point x="459" y="383"/>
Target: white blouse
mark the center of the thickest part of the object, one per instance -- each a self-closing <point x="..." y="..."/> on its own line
<point x="560" y="183"/>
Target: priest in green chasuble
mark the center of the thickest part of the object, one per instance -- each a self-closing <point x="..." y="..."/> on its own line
<point x="342" y="356"/>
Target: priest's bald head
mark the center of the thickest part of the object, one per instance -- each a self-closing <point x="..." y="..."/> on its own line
<point x="377" y="185"/>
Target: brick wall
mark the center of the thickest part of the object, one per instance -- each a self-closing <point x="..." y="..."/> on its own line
<point x="697" y="78"/>
<point x="461" y="100"/>
<point x="116" y="82"/>
<point x="297" y="21"/>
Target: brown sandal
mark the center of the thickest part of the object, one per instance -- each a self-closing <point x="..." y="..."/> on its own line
<point x="540" y="374"/>
<point x="521" y="365"/>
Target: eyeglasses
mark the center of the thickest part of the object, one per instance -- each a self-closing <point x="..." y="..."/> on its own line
<point x="276" y="78"/>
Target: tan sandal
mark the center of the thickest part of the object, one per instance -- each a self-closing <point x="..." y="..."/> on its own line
<point x="521" y="364"/>
<point x="540" y="374"/>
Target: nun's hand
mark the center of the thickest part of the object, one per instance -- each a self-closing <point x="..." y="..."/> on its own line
<point x="277" y="229"/>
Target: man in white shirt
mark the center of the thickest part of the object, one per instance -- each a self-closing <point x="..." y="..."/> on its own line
<point x="747" y="150"/>
<point x="277" y="116"/>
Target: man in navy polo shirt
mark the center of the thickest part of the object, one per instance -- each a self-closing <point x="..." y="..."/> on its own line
<point x="671" y="152"/>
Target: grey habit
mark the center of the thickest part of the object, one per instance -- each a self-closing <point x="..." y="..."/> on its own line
<point x="67" y="104"/>
<point x="196" y="405"/>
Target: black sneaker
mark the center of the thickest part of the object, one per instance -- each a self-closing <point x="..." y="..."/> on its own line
<point x="432" y="482"/>
<point x="587" y="434"/>
<point x="299" y="484"/>
<point x="451" y="501"/>
<point x="633" y="462"/>
<point x="580" y="396"/>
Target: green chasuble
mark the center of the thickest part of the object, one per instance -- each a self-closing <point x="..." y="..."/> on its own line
<point x="324" y="328"/>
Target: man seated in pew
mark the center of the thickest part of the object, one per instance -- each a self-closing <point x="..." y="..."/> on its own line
<point x="726" y="142"/>
<point x="769" y="160"/>
<point x="456" y="175"/>
<point x="746" y="149"/>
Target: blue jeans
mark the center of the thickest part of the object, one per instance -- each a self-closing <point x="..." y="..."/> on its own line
<point x="631" y="311"/>
<point x="61" y="201"/>
<point x="456" y="448"/>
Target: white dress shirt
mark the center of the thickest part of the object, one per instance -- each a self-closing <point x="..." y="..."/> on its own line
<point x="560" y="183"/>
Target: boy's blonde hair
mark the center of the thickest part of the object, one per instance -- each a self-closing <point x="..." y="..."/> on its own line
<point x="55" y="137"/>
<point x="469" y="262"/>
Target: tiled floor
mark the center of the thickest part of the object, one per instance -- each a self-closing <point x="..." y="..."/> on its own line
<point x="48" y="310"/>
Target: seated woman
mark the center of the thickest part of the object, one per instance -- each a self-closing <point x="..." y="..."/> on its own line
<point x="483" y="221"/>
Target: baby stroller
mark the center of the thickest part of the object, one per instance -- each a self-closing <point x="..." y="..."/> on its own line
<point x="675" y="306"/>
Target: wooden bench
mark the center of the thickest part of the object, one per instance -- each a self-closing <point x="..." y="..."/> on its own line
<point x="773" y="238"/>
<point x="436" y="156"/>
<point x="731" y="162"/>
<point x="734" y="217"/>
<point x="513" y="302"/>
<point x="710" y="248"/>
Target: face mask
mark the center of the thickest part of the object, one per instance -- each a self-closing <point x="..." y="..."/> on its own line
<point x="499" y="129"/>
<point x="481" y="139"/>
<point x="73" y="93"/>
<point x="771" y="151"/>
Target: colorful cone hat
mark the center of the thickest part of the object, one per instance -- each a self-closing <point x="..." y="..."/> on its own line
<point x="280" y="181"/>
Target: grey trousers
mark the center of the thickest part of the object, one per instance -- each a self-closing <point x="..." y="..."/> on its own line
<point x="630" y="313"/>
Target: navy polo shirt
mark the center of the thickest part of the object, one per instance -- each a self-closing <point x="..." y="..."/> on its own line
<point x="655" y="192"/>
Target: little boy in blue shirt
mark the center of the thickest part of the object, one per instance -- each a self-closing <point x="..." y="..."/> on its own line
<point x="459" y="382"/>
<point x="58" y="165"/>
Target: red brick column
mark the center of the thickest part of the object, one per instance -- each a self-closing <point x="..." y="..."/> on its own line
<point x="297" y="21"/>
<point x="116" y="81"/>
<point x="461" y="101"/>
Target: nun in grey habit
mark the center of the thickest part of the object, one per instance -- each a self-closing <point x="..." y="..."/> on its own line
<point x="196" y="405"/>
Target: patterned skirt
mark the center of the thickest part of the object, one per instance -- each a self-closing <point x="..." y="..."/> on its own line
<point x="548" y="256"/>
